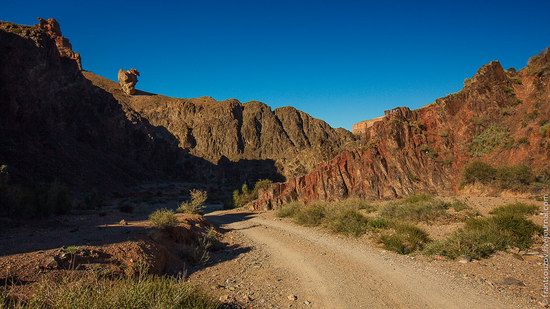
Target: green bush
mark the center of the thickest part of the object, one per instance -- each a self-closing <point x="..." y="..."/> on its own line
<point x="311" y="215"/>
<point x="489" y="140"/>
<point x="514" y="177"/>
<point x="378" y="223"/>
<point x="163" y="218"/>
<point x="417" y="208"/>
<point x="245" y="196"/>
<point x="458" y="205"/>
<point x="406" y="238"/>
<point x="349" y="222"/>
<point x="353" y="204"/>
<point x="479" y="172"/>
<point x="196" y="204"/>
<point x="289" y="210"/>
<point x="513" y="209"/>
<point x="91" y="292"/>
<point x="481" y="237"/>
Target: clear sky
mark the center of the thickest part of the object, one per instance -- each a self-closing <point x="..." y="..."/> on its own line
<point x="341" y="61"/>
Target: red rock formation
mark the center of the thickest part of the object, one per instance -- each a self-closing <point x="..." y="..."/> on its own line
<point x="361" y="127"/>
<point x="426" y="149"/>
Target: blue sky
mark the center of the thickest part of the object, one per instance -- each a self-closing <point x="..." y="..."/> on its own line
<point x="341" y="61"/>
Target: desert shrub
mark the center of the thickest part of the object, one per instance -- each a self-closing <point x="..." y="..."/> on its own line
<point x="458" y="205"/>
<point x="514" y="177"/>
<point x="353" y="204"/>
<point x="513" y="209"/>
<point x="405" y="238"/>
<point x="163" y="218"/>
<point x="94" y="292"/>
<point x="489" y="140"/>
<point x="196" y="204"/>
<point x="481" y="237"/>
<point x="289" y="210"/>
<point x="245" y="196"/>
<point x="378" y="223"/>
<point x="479" y="172"/>
<point x="311" y="215"/>
<point x="416" y="208"/>
<point x="349" y="222"/>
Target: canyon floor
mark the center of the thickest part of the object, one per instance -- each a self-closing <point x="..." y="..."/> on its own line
<point x="290" y="266"/>
<point x="267" y="262"/>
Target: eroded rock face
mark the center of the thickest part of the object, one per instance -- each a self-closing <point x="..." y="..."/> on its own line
<point x="409" y="151"/>
<point x="128" y="80"/>
<point x="63" y="45"/>
<point x="56" y="125"/>
<point x="80" y="129"/>
<point x="280" y="142"/>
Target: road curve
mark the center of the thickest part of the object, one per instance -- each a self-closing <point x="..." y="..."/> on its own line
<point x="343" y="273"/>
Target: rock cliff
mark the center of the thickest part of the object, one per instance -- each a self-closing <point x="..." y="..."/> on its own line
<point x="287" y="138"/>
<point x="59" y="123"/>
<point x="498" y="117"/>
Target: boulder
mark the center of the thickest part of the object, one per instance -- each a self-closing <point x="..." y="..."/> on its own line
<point x="128" y="80"/>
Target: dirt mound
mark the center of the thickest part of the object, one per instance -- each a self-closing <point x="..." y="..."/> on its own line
<point x="160" y="252"/>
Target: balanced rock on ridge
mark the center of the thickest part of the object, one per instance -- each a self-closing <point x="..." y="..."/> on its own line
<point x="128" y="80"/>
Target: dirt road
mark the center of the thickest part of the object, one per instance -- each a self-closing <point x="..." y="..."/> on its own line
<point x="335" y="272"/>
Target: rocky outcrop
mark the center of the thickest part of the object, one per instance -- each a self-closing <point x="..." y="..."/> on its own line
<point x="56" y="125"/>
<point x="59" y="123"/>
<point x="52" y="28"/>
<point x="408" y="151"/>
<point x="128" y="80"/>
<point x="361" y="127"/>
<point x="285" y="139"/>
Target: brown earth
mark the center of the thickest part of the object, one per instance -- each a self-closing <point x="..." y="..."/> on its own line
<point x="267" y="262"/>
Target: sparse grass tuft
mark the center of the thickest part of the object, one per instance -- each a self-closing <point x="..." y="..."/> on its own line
<point x="513" y="209"/>
<point x="196" y="204"/>
<point x="94" y="292"/>
<point x="405" y="238"/>
<point x="163" y="218"/>
<point x="378" y="223"/>
<point x="489" y="140"/>
<point x="417" y="208"/>
<point x="311" y="215"/>
<point x="349" y="222"/>
<point x="481" y="237"/>
<point x="478" y="172"/>
<point x="289" y="210"/>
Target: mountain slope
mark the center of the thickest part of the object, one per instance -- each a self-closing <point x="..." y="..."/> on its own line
<point x="58" y="123"/>
<point x="500" y="117"/>
<point x="251" y="131"/>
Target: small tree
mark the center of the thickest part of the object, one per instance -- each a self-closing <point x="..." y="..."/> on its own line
<point x="196" y="204"/>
